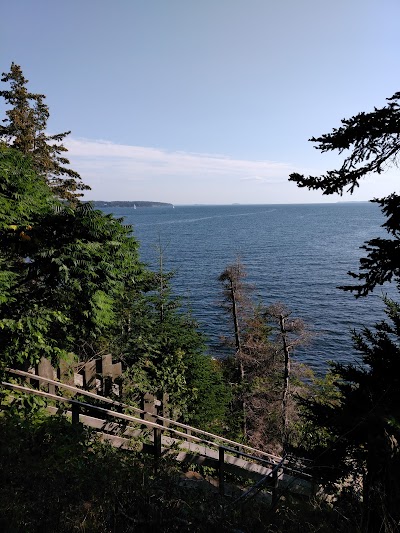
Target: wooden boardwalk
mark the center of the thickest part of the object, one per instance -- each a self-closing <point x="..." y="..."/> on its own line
<point x="128" y="427"/>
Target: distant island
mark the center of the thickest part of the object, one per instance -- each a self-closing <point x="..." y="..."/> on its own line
<point x="136" y="203"/>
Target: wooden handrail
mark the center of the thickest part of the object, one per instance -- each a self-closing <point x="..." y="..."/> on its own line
<point x="246" y="455"/>
<point x="104" y="411"/>
<point x="272" y="458"/>
<point x="158" y="429"/>
<point x="59" y="384"/>
<point x="259" y="485"/>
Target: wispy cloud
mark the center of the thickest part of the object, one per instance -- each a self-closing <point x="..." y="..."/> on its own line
<point x="255" y="179"/>
<point x="140" y="162"/>
<point x="117" y="171"/>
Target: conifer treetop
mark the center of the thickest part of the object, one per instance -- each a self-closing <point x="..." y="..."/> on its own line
<point x="24" y="128"/>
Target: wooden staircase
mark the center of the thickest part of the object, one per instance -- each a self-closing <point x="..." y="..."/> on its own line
<point x="128" y="427"/>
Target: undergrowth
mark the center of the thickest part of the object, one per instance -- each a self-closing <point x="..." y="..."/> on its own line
<point x="58" y="477"/>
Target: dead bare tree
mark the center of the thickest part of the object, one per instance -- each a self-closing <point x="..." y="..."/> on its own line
<point x="292" y="332"/>
<point x="263" y="340"/>
<point x="236" y="302"/>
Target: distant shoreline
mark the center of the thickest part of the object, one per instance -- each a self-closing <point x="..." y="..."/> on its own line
<point x="121" y="203"/>
<point x="142" y="203"/>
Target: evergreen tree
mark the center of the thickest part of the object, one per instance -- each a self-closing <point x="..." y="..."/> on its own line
<point x="359" y="424"/>
<point x="164" y="352"/>
<point x="364" y="426"/>
<point x="25" y="129"/>
<point x="24" y="200"/>
<point x="372" y="142"/>
<point x="64" y="270"/>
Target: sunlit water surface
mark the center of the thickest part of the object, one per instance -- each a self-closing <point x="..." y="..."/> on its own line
<point x="296" y="254"/>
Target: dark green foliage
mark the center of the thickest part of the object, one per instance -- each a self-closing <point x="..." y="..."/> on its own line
<point x="382" y="263"/>
<point x="85" y="260"/>
<point x="373" y="142"/>
<point x="57" y="477"/>
<point x="361" y="432"/>
<point x="207" y="409"/>
<point x="363" y="422"/>
<point x="25" y="130"/>
<point x="24" y="200"/>
<point x="23" y="195"/>
<point x="63" y="271"/>
<point x="71" y="282"/>
<point x="313" y="437"/>
<point x="19" y="124"/>
<point x="164" y="352"/>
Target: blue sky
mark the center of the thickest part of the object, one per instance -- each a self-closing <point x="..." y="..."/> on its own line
<point x="204" y="101"/>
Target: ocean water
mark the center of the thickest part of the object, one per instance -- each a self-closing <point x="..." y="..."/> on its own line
<point x="295" y="254"/>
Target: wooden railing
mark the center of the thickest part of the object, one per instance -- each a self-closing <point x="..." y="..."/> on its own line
<point x="166" y="422"/>
<point x="98" y="375"/>
<point x="225" y="454"/>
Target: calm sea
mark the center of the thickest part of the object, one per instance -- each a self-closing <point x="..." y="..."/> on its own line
<point x="296" y="254"/>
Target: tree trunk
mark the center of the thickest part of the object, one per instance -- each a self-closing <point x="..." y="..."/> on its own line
<point x="238" y="345"/>
<point x="235" y="318"/>
<point x="286" y="375"/>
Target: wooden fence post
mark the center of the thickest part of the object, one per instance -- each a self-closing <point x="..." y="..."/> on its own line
<point x="90" y="376"/>
<point x="221" y="464"/>
<point x="157" y="447"/>
<point x="46" y="370"/>
<point x="75" y="413"/>
<point x="148" y="405"/>
<point x="274" y="487"/>
<point x="165" y="407"/>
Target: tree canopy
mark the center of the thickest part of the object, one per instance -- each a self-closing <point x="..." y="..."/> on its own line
<point x="362" y="423"/>
<point x="63" y="268"/>
<point x="25" y="128"/>
<point x="371" y="142"/>
<point x="363" y="420"/>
